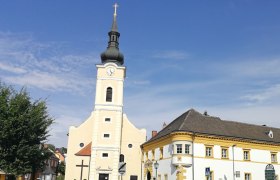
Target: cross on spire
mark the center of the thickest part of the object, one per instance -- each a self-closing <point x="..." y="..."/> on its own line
<point x="115" y="6"/>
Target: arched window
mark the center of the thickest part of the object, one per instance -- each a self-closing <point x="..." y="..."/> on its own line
<point x="109" y="94"/>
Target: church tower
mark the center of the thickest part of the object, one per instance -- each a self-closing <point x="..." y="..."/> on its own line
<point x="108" y="111"/>
<point x="95" y="147"/>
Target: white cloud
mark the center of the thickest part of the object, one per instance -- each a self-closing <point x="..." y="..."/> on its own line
<point x="27" y="62"/>
<point x="266" y="94"/>
<point x="10" y="68"/>
<point x="171" y="54"/>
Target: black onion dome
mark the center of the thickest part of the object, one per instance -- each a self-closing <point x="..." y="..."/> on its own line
<point x="112" y="53"/>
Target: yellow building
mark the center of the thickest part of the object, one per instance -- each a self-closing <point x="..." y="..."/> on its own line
<point x="2" y="175"/>
<point x="95" y="147"/>
<point x="197" y="146"/>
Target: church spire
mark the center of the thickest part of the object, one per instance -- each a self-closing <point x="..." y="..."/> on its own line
<point x="114" y="25"/>
<point x="112" y="53"/>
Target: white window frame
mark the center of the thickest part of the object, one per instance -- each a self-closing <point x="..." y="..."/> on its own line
<point x="179" y="148"/>
<point x="104" y="153"/>
<point x="209" y="151"/>
<point x="106" y="137"/>
<point x="187" y="148"/>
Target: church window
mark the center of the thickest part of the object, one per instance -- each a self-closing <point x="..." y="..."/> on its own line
<point x="105" y="154"/>
<point x="246" y="155"/>
<point x="106" y="135"/>
<point x="129" y="145"/>
<point x="274" y="157"/>
<point x="133" y="177"/>
<point x="187" y="149"/>
<point x="179" y="148"/>
<point x="107" y="119"/>
<point x="109" y="94"/>
<point x="209" y="151"/>
<point x="82" y="144"/>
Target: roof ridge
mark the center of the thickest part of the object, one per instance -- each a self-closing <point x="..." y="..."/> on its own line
<point x="246" y="123"/>
<point x="188" y="113"/>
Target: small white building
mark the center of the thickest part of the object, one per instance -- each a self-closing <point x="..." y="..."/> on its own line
<point x="197" y="146"/>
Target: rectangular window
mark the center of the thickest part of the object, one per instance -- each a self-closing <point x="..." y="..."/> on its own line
<point x="165" y="177"/>
<point x="105" y="154"/>
<point x="153" y="154"/>
<point x="106" y="135"/>
<point x="133" y="177"/>
<point x="107" y="119"/>
<point x="274" y="157"/>
<point x="247" y="176"/>
<point x="209" y="151"/>
<point x="224" y="153"/>
<point x="246" y="155"/>
<point x="179" y="148"/>
<point x="161" y="153"/>
<point x="187" y="149"/>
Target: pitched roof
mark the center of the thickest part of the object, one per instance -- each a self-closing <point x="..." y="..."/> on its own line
<point x="86" y="151"/>
<point x="195" y="122"/>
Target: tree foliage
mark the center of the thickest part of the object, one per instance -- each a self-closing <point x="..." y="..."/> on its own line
<point x="24" y="127"/>
<point x="61" y="168"/>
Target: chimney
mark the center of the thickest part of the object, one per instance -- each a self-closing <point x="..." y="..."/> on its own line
<point x="164" y="125"/>
<point x="154" y="133"/>
<point x="205" y="113"/>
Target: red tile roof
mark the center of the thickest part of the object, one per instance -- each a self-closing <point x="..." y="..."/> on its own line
<point x="86" y="151"/>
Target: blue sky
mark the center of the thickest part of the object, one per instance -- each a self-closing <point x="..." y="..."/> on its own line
<point x="222" y="56"/>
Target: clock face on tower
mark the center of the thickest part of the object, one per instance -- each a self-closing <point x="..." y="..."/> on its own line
<point x="110" y="71"/>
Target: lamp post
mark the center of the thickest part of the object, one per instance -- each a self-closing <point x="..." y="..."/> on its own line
<point x="233" y="161"/>
<point x="156" y="167"/>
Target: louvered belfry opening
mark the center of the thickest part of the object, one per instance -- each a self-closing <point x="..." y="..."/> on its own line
<point x="109" y="94"/>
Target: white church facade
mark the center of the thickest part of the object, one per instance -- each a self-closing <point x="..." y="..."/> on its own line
<point x="96" y="147"/>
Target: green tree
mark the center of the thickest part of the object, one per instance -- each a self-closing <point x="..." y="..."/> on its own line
<point x="24" y="127"/>
<point x="61" y="168"/>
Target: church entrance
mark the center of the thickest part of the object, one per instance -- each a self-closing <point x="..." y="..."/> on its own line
<point x="103" y="176"/>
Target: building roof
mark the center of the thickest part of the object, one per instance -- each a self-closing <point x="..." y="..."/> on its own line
<point x="2" y="172"/>
<point x="86" y="151"/>
<point x="195" y="122"/>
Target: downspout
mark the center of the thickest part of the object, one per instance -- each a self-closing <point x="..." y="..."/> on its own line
<point x="193" y="135"/>
<point x="89" y="165"/>
<point x="142" y="159"/>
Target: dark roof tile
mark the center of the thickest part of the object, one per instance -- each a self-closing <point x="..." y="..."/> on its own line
<point x="193" y="121"/>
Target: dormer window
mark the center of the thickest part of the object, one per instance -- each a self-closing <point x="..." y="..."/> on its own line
<point x="270" y="134"/>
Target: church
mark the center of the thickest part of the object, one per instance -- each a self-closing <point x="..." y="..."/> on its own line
<point x="106" y="145"/>
<point x="194" y="146"/>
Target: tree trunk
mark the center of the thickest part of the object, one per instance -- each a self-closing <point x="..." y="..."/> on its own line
<point x="33" y="173"/>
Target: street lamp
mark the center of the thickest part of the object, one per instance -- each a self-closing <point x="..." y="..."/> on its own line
<point x="156" y="167"/>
